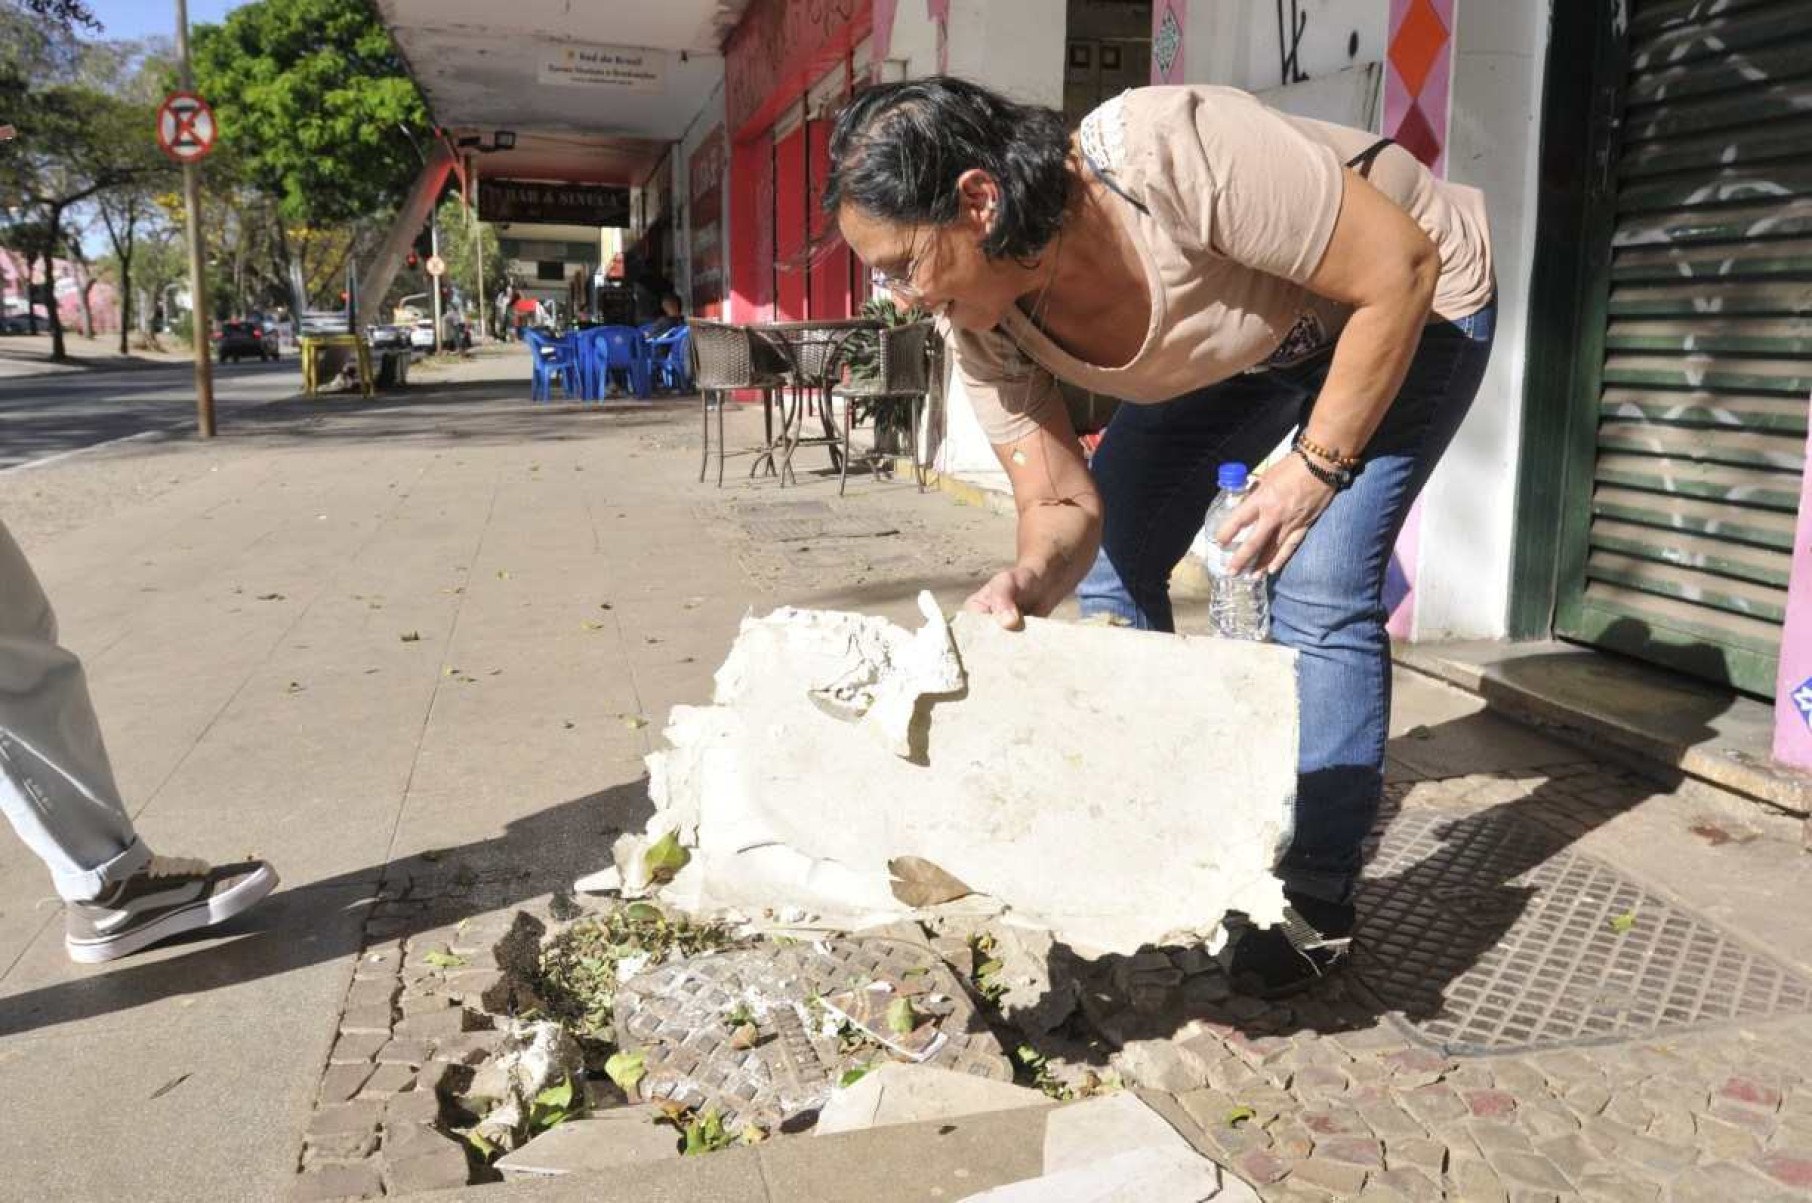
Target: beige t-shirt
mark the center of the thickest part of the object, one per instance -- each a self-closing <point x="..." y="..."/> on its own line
<point x="1235" y="206"/>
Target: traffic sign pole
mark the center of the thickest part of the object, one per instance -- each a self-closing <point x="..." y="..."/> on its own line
<point x="434" y="277"/>
<point x="198" y="279"/>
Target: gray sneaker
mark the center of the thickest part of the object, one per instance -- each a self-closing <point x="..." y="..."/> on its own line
<point x="165" y="898"/>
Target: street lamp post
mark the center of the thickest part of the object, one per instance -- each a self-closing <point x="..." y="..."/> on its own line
<point x="198" y="282"/>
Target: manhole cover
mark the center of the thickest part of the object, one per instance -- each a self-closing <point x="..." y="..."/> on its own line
<point x="1488" y="934"/>
<point x="799" y="530"/>
<point x="682" y="1016"/>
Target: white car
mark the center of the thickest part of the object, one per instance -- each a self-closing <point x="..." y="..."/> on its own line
<point x="421" y="335"/>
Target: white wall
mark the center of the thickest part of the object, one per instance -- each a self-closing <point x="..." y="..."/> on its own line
<point x="1013" y="46"/>
<point x="703" y="122"/>
<point x="1468" y="510"/>
<point x="1236" y="43"/>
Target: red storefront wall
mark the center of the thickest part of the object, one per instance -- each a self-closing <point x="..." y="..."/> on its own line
<point x="785" y="259"/>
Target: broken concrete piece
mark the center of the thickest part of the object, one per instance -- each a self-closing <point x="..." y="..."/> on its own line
<point x="1121" y="788"/>
<point x="624" y="1136"/>
<point x="1139" y="1176"/>
<point x="1091" y="1131"/>
<point x="1039" y="991"/>
<point x="532" y="1058"/>
<point x="905" y="1094"/>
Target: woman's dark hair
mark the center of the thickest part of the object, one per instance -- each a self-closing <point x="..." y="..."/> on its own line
<point x="898" y="148"/>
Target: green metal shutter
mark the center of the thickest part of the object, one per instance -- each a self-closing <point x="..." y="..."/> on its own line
<point x="1702" y="399"/>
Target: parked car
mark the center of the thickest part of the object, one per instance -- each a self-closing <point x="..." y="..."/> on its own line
<point x="421" y="335"/>
<point x="237" y="340"/>
<point x="388" y="337"/>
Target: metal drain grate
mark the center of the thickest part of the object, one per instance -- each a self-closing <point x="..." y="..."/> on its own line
<point x="1488" y="935"/>
<point x="676" y="1017"/>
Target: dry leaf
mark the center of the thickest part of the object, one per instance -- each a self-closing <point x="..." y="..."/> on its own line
<point x="918" y="882"/>
<point x="744" y="1036"/>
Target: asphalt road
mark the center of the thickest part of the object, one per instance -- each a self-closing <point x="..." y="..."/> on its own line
<point x="43" y="416"/>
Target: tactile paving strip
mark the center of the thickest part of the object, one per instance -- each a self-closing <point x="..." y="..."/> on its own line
<point x="1486" y="933"/>
<point x="676" y="1016"/>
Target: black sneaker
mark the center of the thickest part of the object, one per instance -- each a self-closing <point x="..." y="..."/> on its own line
<point x="1276" y="962"/>
<point x="165" y="898"/>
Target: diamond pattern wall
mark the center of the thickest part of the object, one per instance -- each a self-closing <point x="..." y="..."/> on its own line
<point x="1418" y="78"/>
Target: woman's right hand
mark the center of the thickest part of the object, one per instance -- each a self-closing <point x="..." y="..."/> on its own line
<point x="1007" y="597"/>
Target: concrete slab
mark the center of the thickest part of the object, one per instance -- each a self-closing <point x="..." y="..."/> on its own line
<point x="1136" y="1176"/>
<point x="897" y="1093"/>
<point x="626" y="1136"/>
<point x="1046" y="781"/>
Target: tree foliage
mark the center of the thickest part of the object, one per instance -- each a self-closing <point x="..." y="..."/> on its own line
<point x="310" y="95"/>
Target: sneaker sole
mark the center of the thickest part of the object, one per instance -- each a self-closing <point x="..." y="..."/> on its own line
<point x="219" y="909"/>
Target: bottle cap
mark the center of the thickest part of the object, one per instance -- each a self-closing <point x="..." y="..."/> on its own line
<point x="1232" y="476"/>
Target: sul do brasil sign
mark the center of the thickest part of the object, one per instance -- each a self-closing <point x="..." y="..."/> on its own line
<point x="185" y="127"/>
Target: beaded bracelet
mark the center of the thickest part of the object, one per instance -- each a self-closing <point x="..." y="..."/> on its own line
<point x="1335" y="479"/>
<point x="1330" y="454"/>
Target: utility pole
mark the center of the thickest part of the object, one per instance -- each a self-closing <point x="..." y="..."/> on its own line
<point x="198" y="278"/>
<point x="434" y="251"/>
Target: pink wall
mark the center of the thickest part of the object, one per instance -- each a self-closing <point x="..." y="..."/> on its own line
<point x="102" y="300"/>
<point x="1793" y="690"/>
<point x="1169" y="24"/>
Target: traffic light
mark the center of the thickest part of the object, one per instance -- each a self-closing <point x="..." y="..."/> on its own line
<point x="412" y="259"/>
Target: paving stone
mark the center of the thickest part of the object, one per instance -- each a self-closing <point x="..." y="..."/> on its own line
<point x="1352" y="1150"/>
<point x="367" y="1020"/>
<point x="433" y="1025"/>
<point x="1291" y="1139"/>
<point x="342" y="1146"/>
<point x="1235" y="1140"/>
<point x="1719" y="1180"/>
<point x="410" y="1108"/>
<point x="1392" y="1186"/>
<point x="380" y="992"/>
<point x="1337" y="1178"/>
<point x="1751" y="1092"/>
<point x="1744" y="1116"/>
<point x="1672" y="1125"/>
<point x="341" y="1082"/>
<point x="1432" y="1103"/>
<point x="322" y="1183"/>
<point x="1334" y="1121"/>
<point x="1469" y="1076"/>
<point x="1531" y="1171"/>
<point x="1788" y="1168"/>
<point x="436" y="1167"/>
<point x="1618" y="1188"/>
<point x="345" y="1117"/>
<point x="1475" y="1182"/>
<point x="1546" y="1118"/>
<point x="1260" y="1167"/>
<point x="388" y="1080"/>
<point x="1722" y="1140"/>
<point x="1629" y="1110"/>
<point x="1419" y="1066"/>
<point x="351" y="1048"/>
<point x="1604" y="1135"/>
<point x="1520" y="1078"/>
<point x="1588" y="1098"/>
<point x="1207" y="1108"/>
<point x="468" y="1048"/>
<point x="1319" y="1081"/>
<point x="1416" y="1153"/>
<point x="1497" y="1136"/>
<point x="1567" y="1067"/>
<point x="1389" y="1121"/>
<point x="1489" y="1104"/>
<point x="1656" y="1155"/>
<point x="425" y="1004"/>
<point x="1162" y="1065"/>
<point x="1377" y="1040"/>
<point x="403" y="1052"/>
<point x="1572" y="1156"/>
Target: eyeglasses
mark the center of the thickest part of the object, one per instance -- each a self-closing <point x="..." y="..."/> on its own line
<point x="901" y="285"/>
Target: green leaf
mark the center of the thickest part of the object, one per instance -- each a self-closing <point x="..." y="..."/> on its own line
<point x="901" y="1018"/>
<point x="445" y="960"/>
<point x="1621" y="924"/>
<point x="484" y="1147"/>
<point x="988" y="968"/>
<point x="851" y="1077"/>
<point x="643" y="912"/>
<point x="556" y="1096"/>
<point x="665" y="858"/>
<point x="1239" y="1115"/>
<point x="626" y="1070"/>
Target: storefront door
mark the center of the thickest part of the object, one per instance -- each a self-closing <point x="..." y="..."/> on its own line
<point x="1694" y="363"/>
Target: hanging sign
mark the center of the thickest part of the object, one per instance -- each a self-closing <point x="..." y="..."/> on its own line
<point x="561" y="204"/>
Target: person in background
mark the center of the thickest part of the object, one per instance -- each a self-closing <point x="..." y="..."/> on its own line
<point x="672" y="317"/>
<point x="57" y="789"/>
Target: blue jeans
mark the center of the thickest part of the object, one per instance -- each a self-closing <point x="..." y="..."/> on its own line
<point x="1155" y="468"/>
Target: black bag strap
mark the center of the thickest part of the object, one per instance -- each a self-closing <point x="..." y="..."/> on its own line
<point x="1362" y="162"/>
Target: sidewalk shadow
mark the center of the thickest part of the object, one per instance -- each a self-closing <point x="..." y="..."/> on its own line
<point x="1422" y="928"/>
<point x="325" y="920"/>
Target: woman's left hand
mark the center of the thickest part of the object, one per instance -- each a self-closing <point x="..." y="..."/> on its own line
<point x="1276" y="517"/>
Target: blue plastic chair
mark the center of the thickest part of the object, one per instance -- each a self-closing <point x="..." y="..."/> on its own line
<point x="672" y="356"/>
<point x="553" y="359"/>
<point x="618" y="349"/>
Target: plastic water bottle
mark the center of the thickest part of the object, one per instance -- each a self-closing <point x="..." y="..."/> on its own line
<point x="1239" y="604"/>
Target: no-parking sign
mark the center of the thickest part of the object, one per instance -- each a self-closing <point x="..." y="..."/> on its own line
<point x="185" y="127"/>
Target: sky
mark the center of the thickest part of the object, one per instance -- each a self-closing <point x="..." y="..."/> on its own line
<point x="147" y="18"/>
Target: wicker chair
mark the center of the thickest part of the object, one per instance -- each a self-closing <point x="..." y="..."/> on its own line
<point x="901" y="377"/>
<point x="726" y="358"/>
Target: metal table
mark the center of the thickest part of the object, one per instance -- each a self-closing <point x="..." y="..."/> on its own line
<point x="813" y="351"/>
